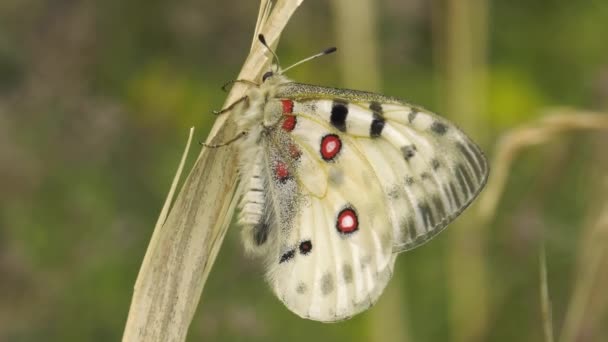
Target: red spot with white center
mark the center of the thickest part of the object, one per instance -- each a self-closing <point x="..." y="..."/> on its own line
<point x="281" y="171"/>
<point x="347" y="222"/>
<point x="330" y="146"/>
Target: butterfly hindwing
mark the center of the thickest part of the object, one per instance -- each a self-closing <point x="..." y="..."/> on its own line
<point x="339" y="259"/>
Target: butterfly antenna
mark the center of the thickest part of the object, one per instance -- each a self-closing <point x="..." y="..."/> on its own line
<point x="274" y="55"/>
<point x="322" y="53"/>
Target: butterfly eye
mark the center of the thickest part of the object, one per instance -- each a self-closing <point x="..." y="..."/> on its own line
<point x="266" y="75"/>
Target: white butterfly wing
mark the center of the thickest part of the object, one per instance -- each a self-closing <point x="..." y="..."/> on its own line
<point x="343" y="181"/>
<point x="428" y="169"/>
<point x="337" y="258"/>
<point x="435" y="172"/>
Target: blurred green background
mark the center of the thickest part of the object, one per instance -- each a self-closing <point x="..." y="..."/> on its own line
<point x="96" y="98"/>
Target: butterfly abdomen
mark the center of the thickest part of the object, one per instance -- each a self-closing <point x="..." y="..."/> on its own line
<point x="252" y="205"/>
<point x="269" y="190"/>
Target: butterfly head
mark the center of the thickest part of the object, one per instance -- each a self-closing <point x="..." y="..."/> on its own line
<point x="267" y="75"/>
<point x="273" y="77"/>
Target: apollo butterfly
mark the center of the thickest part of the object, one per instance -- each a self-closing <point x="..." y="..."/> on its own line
<point x="335" y="183"/>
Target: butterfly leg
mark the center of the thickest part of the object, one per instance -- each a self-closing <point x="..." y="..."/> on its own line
<point x="229" y="83"/>
<point x="235" y="138"/>
<point x="229" y="108"/>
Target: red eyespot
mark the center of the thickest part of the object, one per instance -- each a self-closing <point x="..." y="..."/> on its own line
<point x="347" y="222"/>
<point x="330" y="146"/>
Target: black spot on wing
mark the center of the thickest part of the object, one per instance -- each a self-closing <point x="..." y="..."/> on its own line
<point x="327" y="284"/>
<point x="347" y="273"/>
<point x="435" y="164"/>
<point x="287" y="256"/>
<point x="412" y="116"/>
<point x="305" y="247"/>
<point x="375" y="129"/>
<point x="409" y="180"/>
<point x="439" y="128"/>
<point x="376" y="107"/>
<point x="339" y="111"/>
<point x="394" y="193"/>
<point x="408" y="151"/>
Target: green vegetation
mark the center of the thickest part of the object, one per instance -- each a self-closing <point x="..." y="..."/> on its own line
<point x="96" y="99"/>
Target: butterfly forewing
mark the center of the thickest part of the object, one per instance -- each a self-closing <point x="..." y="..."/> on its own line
<point x="337" y="181"/>
<point x="429" y="170"/>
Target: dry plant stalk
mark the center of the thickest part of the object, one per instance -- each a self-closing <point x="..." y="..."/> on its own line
<point x="556" y="121"/>
<point x="545" y="300"/>
<point x="184" y="246"/>
<point x="588" y="302"/>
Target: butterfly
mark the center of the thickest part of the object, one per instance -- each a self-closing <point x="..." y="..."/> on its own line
<point x="335" y="183"/>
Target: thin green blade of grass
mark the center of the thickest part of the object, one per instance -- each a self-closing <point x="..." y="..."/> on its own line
<point x="545" y="300"/>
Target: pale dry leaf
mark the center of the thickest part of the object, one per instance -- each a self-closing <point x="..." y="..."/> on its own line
<point x="183" y="249"/>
